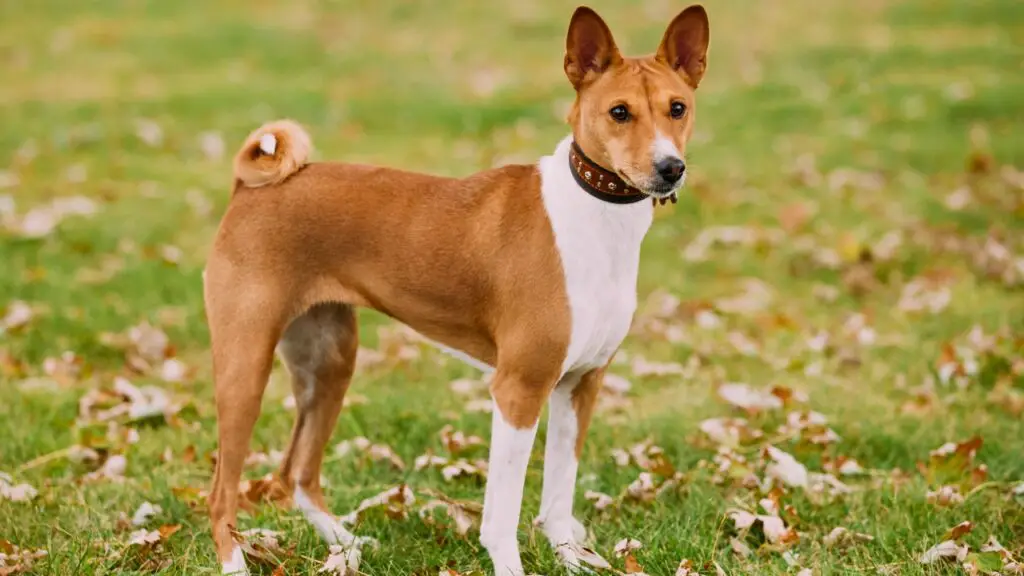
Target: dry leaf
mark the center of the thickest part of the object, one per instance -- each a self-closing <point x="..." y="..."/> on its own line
<point x="601" y="500"/>
<point x="464" y="515"/>
<point x="945" y="496"/>
<point x="745" y="397"/>
<point x="946" y="550"/>
<point x="840" y="537"/>
<point x="959" y="531"/>
<point x="686" y="568"/>
<point x="15" y="492"/>
<point x="145" y="512"/>
<point x="112" y="469"/>
<point x="785" y="468"/>
<point x="15" y="560"/>
<point x="17" y="315"/>
<point x="456" y="441"/>
<point x="260" y="544"/>
<point x="394" y="501"/>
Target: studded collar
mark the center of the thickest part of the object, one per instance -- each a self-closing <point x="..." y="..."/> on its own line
<point x="602" y="183"/>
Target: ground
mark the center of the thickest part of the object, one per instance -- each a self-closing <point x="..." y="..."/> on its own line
<point x="844" y="272"/>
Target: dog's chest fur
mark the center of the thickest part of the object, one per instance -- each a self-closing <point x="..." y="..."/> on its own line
<point x="599" y="244"/>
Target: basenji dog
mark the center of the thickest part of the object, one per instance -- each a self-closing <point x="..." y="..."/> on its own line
<point x="530" y="270"/>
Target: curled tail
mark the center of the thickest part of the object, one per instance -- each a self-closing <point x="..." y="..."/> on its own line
<point x="272" y="153"/>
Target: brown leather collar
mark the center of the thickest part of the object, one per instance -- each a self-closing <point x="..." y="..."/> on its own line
<point x="604" y="184"/>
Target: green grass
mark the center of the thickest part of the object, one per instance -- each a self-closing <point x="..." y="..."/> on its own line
<point x="904" y="96"/>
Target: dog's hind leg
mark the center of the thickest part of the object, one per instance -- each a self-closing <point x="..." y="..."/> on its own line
<point x="244" y="327"/>
<point x="319" y="349"/>
<point x="569" y="411"/>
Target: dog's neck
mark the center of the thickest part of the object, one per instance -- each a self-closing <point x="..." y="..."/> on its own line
<point x="629" y="222"/>
<point x="600" y="182"/>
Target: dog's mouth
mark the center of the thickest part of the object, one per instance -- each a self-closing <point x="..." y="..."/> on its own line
<point x="654" y="187"/>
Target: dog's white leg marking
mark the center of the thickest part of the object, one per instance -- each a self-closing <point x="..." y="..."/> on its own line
<point x="328" y="526"/>
<point x="236" y="564"/>
<point x="560" y="466"/>
<point x="503" y="497"/>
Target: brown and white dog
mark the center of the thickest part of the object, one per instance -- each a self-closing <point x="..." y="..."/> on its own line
<point x="530" y="270"/>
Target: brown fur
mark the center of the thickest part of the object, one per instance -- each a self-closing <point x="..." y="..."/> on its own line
<point x="470" y="263"/>
<point x="584" y="399"/>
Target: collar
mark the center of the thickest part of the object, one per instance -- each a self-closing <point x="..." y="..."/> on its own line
<point x="604" y="184"/>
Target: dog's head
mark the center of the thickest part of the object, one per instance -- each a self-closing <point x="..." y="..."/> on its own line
<point x="634" y="116"/>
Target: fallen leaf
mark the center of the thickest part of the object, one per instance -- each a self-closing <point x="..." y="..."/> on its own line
<point x="394" y="501"/>
<point x="464" y="515"/>
<point x="16" y="560"/>
<point x="15" y="492"/>
<point x="840" y="537"/>
<point x="945" y="496"/>
<point x="112" y="469"/>
<point x="260" y="544"/>
<point x="145" y="512"/>
<point x="785" y="468"/>
<point x="946" y="550"/>
<point x="959" y="531"/>
<point x="17" y="315"/>
<point x="601" y="500"/>
<point x="745" y="397"/>
<point x="457" y="442"/>
<point x="686" y="568"/>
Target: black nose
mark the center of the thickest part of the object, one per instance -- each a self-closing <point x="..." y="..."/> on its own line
<point x="671" y="169"/>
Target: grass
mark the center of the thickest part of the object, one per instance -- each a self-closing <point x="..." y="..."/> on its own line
<point x="823" y="126"/>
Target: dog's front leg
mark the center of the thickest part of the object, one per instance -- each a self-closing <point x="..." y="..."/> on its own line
<point x="569" y="413"/>
<point x="518" y="403"/>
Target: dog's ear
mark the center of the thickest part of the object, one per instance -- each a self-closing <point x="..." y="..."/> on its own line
<point x="589" y="47"/>
<point x="685" y="45"/>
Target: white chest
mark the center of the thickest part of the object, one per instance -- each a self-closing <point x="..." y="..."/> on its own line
<point x="599" y="244"/>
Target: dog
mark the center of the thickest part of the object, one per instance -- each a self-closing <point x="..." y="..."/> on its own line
<point x="530" y="270"/>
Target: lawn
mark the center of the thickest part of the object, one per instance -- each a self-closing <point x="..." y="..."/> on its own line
<point x="831" y="330"/>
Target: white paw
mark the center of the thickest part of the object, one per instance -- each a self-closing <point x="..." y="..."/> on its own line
<point x="579" y="531"/>
<point x="505" y="557"/>
<point x="236" y="564"/>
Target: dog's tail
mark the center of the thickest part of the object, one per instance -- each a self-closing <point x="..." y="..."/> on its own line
<point x="272" y="153"/>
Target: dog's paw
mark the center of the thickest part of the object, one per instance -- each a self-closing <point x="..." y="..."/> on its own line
<point x="579" y="531"/>
<point x="235" y="566"/>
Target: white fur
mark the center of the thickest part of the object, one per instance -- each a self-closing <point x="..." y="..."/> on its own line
<point x="236" y="564"/>
<point x="565" y="533"/>
<point x="666" y="148"/>
<point x="599" y="244"/>
<point x="503" y="497"/>
<point x="268" y="144"/>
<point x="328" y="526"/>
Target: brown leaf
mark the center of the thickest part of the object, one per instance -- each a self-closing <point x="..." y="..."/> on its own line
<point x="269" y="488"/>
<point x="959" y="531"/>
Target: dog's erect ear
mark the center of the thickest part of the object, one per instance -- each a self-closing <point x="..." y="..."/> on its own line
<point x="589" y="47"/>
<point x="685" y="45"/>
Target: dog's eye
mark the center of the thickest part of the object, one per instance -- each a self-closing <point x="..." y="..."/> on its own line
<point x="677" y="110"/>
<point x="619" y="113"/>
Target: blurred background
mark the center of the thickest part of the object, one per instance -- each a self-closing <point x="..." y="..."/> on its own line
<point x="856" y="177"/>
